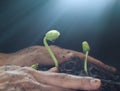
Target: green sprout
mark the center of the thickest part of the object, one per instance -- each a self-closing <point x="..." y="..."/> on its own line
<point x="35" y="66"/>
<point x="86" y="49"/>
<point x="51" y="36"/>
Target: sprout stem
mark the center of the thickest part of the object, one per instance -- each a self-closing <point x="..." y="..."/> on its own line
<point x="85" y="62"/>
<point x="50" y="52"/>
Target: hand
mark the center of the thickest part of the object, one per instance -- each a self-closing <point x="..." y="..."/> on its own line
<point x="39" y="79"/>
<point x="16" y="78"/>
<point x="40" y="55"/>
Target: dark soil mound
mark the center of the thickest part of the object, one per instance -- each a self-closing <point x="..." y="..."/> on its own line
<point x="110" y="81"/>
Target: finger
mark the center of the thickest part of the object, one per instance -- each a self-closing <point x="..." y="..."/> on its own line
<point x="94" y="61"/>
<point x="29" y="85"/>
<point x="67" y="81"/>
<point x="54" y="69"/>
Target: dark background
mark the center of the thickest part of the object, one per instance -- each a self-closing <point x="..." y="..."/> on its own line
<point x="23" y="23"/>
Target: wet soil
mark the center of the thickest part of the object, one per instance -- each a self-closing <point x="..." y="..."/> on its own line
<point x="110" y="81"/>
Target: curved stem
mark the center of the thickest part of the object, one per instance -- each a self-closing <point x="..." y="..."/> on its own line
<point x="50" y="52"/>
<point x="85" y="63"/>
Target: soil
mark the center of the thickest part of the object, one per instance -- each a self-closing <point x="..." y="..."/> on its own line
<point x="110" y="81"/>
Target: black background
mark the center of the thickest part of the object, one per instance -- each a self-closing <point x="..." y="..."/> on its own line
<point x="23" y="23"/>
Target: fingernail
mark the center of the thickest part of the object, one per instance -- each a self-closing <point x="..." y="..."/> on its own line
<point x="54" y="69"/>
<point x="95" y="82"/>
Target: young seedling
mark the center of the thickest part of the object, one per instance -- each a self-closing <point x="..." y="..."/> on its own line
<point x="86" y="49"/>
<point x="35" y="66"/>
<point x="51" y="36"/>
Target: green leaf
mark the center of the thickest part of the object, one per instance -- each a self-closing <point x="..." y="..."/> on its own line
<point x="85" y="46"/>
<point x="52" y="35"/>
